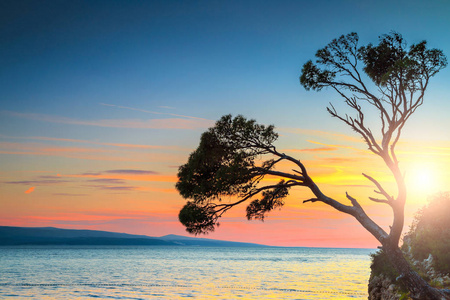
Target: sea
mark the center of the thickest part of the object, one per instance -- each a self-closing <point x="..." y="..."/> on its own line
<point x="168" y="272"/>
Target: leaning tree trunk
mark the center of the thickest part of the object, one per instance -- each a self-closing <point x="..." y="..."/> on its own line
<point x="419" y="288"/>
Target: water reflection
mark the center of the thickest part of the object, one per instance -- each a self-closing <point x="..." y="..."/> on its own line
<point x="178" y="273"/>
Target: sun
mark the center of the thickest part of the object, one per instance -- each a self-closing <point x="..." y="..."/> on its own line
<point x="422" y="178"/>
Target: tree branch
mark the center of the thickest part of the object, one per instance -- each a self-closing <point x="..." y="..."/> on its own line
<point x="381" y="190"/>
<point x="379" y="200"/>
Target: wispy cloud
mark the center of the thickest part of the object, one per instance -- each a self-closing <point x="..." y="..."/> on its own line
<point x="154" y="112"/>
<point x="333" y="146"/>
<point x="117" y="181"/>
<point x="69" y="194"/>
<point x="321" y="149"/>
<point x="151" y="177"/>
<point x="36" y="149"/>
<point x="72" y="149"/>
<point x="91" y="174"/>
<point x="135" y="172"/>
<point x="320" y="133"/>
<point x="37" y="182"/>
<point x="169" y="123"/>
<point x="51" y="177"/>
<point x="108" y="180"/>
<point x="357" y="185"/>
<point x="89" y="153"/>
<point x="122" y="145"/>
<point x="115" y="188"/>
<point x="341" y="160"/>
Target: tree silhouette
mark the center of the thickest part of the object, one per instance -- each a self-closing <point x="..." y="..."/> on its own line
<point x="235" y="155"/>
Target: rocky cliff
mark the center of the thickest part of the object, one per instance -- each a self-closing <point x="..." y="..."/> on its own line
<point x="383" y="286"/>
<point x="426" y="246"/>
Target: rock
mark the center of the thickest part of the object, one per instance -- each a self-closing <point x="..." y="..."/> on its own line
<point x="439" y="280"/>
<point x="381" y="287"/>
<point x="428" y="262"/>
<point x="431" y="273"/>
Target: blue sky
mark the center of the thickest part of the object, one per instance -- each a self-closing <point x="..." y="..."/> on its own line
<point x="131" y="72"/>
<point x="200" y="57"/>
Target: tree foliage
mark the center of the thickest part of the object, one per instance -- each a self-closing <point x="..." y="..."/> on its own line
<point x="225" y="165"/>
<point x="401" y="77"/>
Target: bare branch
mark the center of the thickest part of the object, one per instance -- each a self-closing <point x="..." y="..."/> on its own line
<point x="365" y="134"/>
<point x="354" y="202"/>
<point x="223" y="207"/>
<point x="379" y="200"/>
<point x="298" y="172"/>
<point x="311" y="200"/>
<point x="264" y="171"/>
<point x="381" y="190"/>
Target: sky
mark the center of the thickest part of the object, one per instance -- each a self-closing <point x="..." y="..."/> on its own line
<point x="102" y="101"/>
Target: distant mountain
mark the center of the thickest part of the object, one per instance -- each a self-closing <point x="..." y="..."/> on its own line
<point x="10" y="236"/>
<point x="57" y="236"/>
<point x="190" y="241"/>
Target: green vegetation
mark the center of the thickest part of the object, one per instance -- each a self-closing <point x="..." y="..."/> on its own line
<point x="430" y="233"/>
<point x="381" y="265"/>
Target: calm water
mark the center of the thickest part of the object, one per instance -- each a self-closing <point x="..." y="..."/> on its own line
<point x="158" y="272"/>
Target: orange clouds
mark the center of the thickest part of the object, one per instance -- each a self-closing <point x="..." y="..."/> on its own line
<point x="129" y="176"/>
<point x="122" y="176"/>
<point x="333" y="146"/>
<point x="324" y="134"/>
<point x="313" y="149"/>
<point x="30" y="190"/>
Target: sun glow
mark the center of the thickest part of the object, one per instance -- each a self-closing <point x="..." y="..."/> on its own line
<point x="422" y="179"/>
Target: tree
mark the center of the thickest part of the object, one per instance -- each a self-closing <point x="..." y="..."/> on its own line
<point x="235" y="155"/>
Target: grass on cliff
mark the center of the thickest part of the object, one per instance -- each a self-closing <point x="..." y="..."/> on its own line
<point x="429" y="234"/>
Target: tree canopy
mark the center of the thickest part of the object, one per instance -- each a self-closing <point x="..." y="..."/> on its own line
<point x="400" y="77"/>
<point x="226" y="164"/>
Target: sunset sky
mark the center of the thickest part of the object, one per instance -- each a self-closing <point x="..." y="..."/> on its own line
<point x="102" y="101"/>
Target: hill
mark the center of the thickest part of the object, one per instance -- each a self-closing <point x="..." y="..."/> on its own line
<point x="11" y="236"/>
<point x="190" y="241"/>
